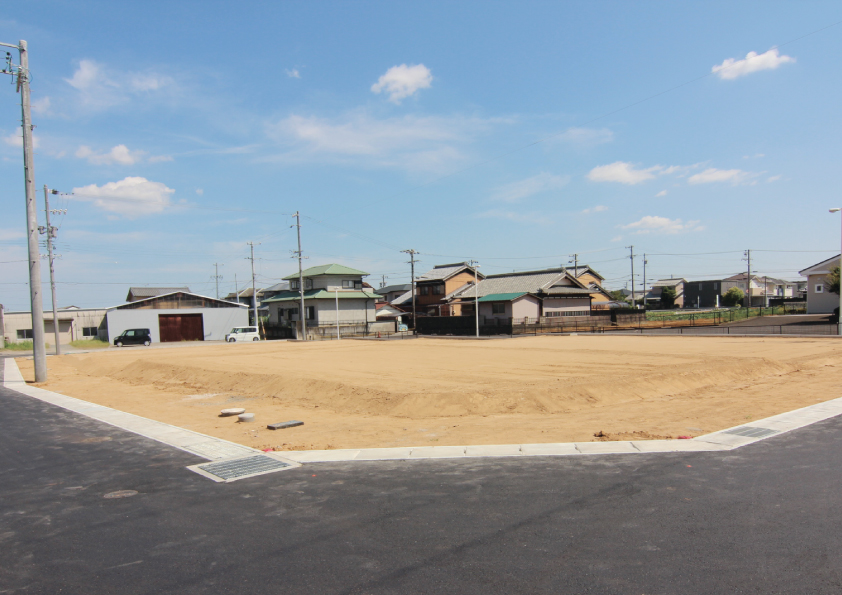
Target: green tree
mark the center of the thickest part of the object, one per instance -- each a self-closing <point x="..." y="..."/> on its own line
<point x="831" y="282"/>
<point x="668" y="295"/>
<point x="617" y="295"/>
<point x="733" y="297"/>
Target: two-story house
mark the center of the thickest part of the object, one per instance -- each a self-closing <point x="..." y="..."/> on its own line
<point x="333" y="294"/>
<point x="433" y="288"/>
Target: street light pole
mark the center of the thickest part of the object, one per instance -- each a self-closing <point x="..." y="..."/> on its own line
<point x="839" y="321"/>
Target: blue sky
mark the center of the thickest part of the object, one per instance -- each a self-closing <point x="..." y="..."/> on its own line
<point x="515" y="133"/>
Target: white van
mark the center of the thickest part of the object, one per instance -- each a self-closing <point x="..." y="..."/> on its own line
<point x="243" y="333"/>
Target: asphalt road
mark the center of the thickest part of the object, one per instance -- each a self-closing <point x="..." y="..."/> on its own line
<point x="764" y="519"/>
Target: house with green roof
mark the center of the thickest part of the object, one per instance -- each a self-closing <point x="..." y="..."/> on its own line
<point x="333" y="294"/>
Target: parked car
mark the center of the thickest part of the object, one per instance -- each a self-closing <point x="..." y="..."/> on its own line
<point x="134" y="336"/>
<point x="243" y="333"/>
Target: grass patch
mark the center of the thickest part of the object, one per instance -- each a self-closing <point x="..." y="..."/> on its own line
<point x="89" y="344"/>
<point x="21" y="346"/>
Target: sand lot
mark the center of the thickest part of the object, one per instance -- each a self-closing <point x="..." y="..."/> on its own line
<point x="430" y="392"/>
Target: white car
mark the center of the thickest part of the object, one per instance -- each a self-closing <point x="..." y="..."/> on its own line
<point x="243" y="333"/>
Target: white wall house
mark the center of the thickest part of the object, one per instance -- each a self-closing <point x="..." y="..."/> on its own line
<point x="333" y="294"/>
<point x="819" y="299"/>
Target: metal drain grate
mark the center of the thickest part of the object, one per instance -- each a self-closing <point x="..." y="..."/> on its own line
<point x="751" y="432"/>
<point x="245" y="467"/>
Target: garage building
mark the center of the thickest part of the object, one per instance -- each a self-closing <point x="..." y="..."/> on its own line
<point x="178" y="316"/>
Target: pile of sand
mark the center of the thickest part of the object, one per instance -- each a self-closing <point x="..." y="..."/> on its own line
<point x="437" y="391"/>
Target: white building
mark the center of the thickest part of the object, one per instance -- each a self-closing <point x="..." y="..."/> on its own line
<point x="819" y="299"/>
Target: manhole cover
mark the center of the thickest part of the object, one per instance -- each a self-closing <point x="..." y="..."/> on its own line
<point x="120" y="494"/>
<point x="751" y="432"/>
<point x="244" y="467"/>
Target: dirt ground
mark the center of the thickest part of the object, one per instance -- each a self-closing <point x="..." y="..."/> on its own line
<point x="431" y="392"/>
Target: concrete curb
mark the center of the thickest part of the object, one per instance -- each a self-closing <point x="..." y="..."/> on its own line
<point x="212" y="448"/>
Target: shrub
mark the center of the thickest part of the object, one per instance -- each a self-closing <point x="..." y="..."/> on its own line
<point x="733" y="297"/>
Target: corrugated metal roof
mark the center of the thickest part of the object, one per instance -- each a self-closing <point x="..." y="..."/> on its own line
<point x="391" y="288"/>
<point x="501" y="297"/>
<point x="310" y="294"/>
<point x="326" y="269"/>
<point x="147" y="292"/>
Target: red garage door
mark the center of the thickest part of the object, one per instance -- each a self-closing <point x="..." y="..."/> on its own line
<point x="181" y="327"/>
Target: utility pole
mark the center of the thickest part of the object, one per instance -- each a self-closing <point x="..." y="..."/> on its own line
<point x="474" y="264"/>
<point x="631" y="258"/>
<point x="253" y="292"/>
<point x="645" y="262"/>
<point x="302" y="313"/>
<point x="217" y="276"/>
<point x="575" y="259"/>
<point x="383" y="281"/>
<point x="36" y="299"/>
<point x="748" y="279"/>
<point x="412" y="252"/>
<point x="51" y="234"/>
<point x="236" y="289"/>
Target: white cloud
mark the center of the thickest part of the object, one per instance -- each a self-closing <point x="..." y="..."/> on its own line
<point x="41" y="106"/>
<point x="87" y="75"/>
<point x="130" y="196"/>
<point x="119" y="154"/>
<point x="101" y="88"/>
<point x="199" y="191"/>
<point x="734" y="176"/>
<point x="403" y="81"/>
<point x="755" y="156"/>
<point x="293" y="74"/>
<point x="616" y="238"/>
<point x="148" y="81"/>
<point x="15" y="139"/>
<point x="516" y="216"/>
<point x="11" y="234"/>
<point x="774" y="178"/>
<point x="661" y="225"/>
<point x="411" y="142"/>
<point x="596" y="209"/>
<point x="160" y="158"/>
<point x="753" y="62"/>
<point x="586" y="136"/>
<point x="623" y="172"/>
<point x="517" y="191"/>
<point x="661" y="193"/>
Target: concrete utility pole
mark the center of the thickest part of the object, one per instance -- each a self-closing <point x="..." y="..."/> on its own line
<point x="474" y="264"/>
<point x="748" y="279"/>
<point x="631" y="258"/>
<point x="51" y="234"/>
<point x="302" y="315"/>
<point x="412" y="252"/>
<point x="253" y="291"/>
<point x="839" y="330"/>
<point x="645" y="262"/>
<point x="217" y="276"/>
<point x="236" y="289"/>
<point x="36" y="299"/>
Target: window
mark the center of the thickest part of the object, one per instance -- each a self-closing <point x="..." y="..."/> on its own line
<point x="498" y="308"/>
<point x="293" y="284"/>
<point x="347" y="284"/>
<point x="424" y="290"/>
<point x="89" y="331"/>
<point x="308" y="284"/>
<point x="819" y="288"/>
<point x="25" y="333"/>
<point x="311" y="312"/>
<point x="358" y="284"/>
<point x="438" y="289"/>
